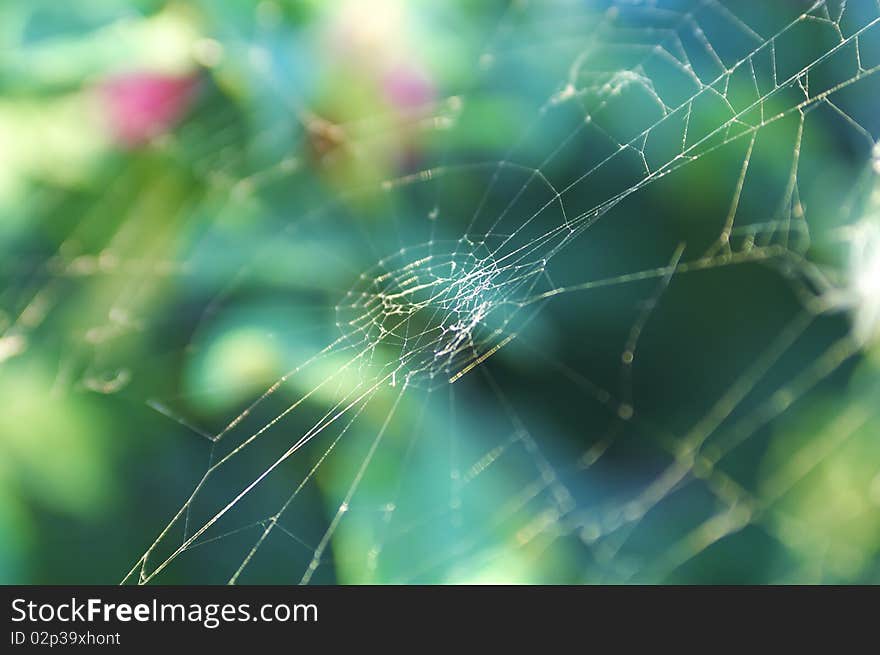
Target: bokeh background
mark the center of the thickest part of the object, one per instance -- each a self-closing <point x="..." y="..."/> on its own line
<point x="188" y="189"/>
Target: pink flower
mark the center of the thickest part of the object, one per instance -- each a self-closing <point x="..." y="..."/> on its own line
<point x="407" y="88"/>
<point x="142" y="105"/>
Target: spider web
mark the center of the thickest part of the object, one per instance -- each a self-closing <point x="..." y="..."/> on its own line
<point x="492" y="378"/>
